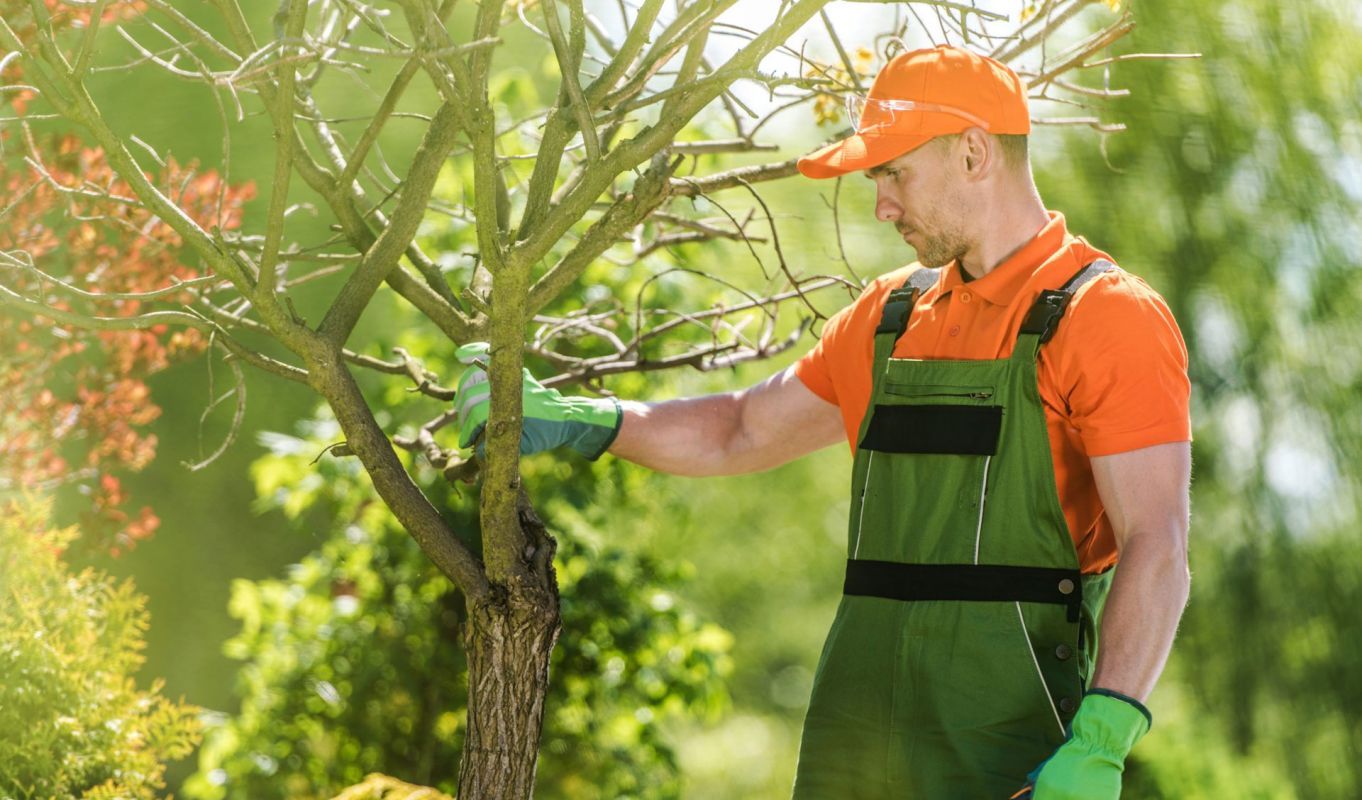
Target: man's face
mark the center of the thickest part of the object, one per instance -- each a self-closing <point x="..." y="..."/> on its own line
<point x="921" y="195"/>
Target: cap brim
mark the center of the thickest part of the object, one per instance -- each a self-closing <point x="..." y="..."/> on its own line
<point x="857" y="152"/>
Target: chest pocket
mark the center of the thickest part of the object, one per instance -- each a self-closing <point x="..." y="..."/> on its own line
<point x="934" y="429"/>
<point x="936" y="420"/>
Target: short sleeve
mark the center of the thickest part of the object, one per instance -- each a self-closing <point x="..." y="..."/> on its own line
<point x="1120" y="363"/>
<point x="812" y="368"/>
<point x="837" y="369"/>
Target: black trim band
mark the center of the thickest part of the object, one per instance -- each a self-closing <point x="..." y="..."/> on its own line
<point x="950" y="429"/>
<point x="614" y="432"/>
<point x="988" y="582"/>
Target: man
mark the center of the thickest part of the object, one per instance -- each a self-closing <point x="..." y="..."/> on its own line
<point x="1018" y="410"/>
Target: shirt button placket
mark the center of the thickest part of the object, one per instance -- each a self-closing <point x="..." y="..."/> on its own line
<point x="964" y="297"/>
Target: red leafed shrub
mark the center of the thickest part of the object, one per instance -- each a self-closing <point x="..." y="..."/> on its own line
<point x="74" y="405"/>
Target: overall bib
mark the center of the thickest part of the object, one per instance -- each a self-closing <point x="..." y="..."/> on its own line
<point x="966" y="634"/>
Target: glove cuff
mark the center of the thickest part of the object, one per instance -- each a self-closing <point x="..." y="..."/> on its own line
<point x="1111" y="722"/>
<point x="599" y="437"/>
<point x="1149" y="718"/>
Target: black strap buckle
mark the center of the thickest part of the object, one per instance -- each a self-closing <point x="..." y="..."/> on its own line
<point x="894" y="318"/>
<point x="1045" y="314"/>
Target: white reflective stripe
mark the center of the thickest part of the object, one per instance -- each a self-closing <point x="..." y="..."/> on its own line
<point x="469" y="400"/>
<point x="983" y="493"/>
<point x="860" y="518"/>
<point x="1093" y="270"/>
<point x="1039" y="674"/>
<point x="924" y="278"/>
<point x="478" y="377"/>
<point x="467" y="396"/>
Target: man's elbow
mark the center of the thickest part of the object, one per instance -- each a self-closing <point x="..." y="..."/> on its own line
<point x="728" y="443"/>
<point x="1161" y="551"/>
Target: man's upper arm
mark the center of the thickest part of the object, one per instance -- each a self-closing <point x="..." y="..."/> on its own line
<point x="781" y="420"/>
<point x="1145" y="491"/>
<point x="1120" y="365"/>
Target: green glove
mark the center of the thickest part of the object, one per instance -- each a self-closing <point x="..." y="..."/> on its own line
<point x="1089" y="764"/>
<point x="551" y="420"/>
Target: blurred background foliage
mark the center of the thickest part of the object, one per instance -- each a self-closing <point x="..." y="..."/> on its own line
<point x="75" y="724"/>
<point x="1235" y="192"/>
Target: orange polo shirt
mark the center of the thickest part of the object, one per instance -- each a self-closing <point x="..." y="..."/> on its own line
<point x="1112" y="379"/>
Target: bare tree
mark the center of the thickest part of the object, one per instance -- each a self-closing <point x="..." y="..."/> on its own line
<point x="604" y="185"/>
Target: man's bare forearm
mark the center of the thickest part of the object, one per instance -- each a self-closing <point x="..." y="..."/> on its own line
<point x="757" y="428"/>
<point x="688" y="436"/>
<point x="1147" y="597"/>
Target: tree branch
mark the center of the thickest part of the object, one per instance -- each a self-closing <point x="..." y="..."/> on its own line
<point x="376" y="123"/>
<point x="596" y="178"/>
<point x="738" y="176"/>
<point x="569" y="62"/>
<point x="381" y="257"/>
<point x="281" y="113"/>
<point x="650" y="191"/>
<point x="403" y="497"/>
<point x="11" y="299"/>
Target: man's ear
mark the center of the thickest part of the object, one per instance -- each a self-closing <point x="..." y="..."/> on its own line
<point x="977" y="152"/>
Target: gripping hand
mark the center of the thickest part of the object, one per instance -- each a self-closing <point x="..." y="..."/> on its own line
<point x="551" y="420"/>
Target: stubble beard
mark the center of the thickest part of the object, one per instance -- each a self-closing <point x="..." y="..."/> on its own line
<point x="938" y="251"/>
<point x="948" y="242"/>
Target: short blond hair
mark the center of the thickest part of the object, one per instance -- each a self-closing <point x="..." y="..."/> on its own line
<point x="1016" y="153"/>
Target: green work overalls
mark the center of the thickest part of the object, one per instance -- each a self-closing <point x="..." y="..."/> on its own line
<point x="966" y="633"/>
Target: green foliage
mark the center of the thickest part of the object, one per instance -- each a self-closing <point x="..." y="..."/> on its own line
<point x="74" y="723"/>
<point x="353" y="664"/>
<point x="1239" y="197"/>
<point x="1184" y="757"/>
<point x="630" y="659"/>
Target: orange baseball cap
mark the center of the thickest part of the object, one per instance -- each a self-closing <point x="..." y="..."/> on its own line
<point x="920" y="95"/>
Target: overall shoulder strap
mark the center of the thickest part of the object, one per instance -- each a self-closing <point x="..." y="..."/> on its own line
<point x="899" y="305"/>
<point x="1043" y="319"/>
<point x="894" y="318"/>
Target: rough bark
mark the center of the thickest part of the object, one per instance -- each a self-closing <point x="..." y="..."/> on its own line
<point x="509" y="637"/>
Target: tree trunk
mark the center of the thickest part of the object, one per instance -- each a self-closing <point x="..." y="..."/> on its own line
<point x="508" y="639"/>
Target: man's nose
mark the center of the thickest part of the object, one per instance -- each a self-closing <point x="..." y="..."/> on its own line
<point x="887" y="209"/>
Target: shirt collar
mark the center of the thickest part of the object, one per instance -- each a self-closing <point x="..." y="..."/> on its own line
<point x="1008" y="278"/>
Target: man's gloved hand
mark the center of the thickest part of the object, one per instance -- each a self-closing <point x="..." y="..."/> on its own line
<point x="1089" y="764"/>
<point x="585" y="424"/>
